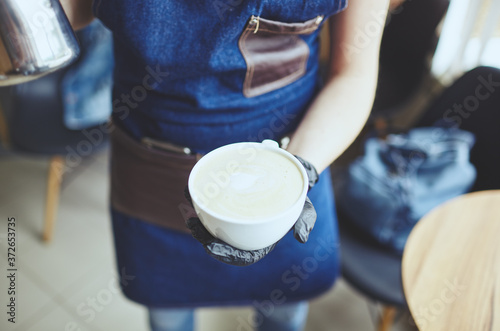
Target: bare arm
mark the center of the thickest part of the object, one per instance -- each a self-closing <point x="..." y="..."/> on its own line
<point x="341" y="109"/>
<point x="79" y="12"/>
<point x="395" y="3"/>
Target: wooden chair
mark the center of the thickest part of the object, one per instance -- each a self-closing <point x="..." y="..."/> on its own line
<point x="31" y="122"/>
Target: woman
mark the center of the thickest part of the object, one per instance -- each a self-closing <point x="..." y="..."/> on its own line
<point x="190" y="77"/>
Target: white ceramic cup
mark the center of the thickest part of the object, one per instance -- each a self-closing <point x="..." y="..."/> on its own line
<point x="239" y="232"/>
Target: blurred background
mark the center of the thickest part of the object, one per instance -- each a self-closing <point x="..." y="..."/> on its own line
<point x="54" y="177"/>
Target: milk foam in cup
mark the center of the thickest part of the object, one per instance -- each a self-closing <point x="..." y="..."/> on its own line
<point x="248" y="194"/>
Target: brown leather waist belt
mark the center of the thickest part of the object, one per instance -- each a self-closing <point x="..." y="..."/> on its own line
<point x="148" y="183"/>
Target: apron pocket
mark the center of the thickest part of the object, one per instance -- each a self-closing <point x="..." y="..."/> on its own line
<point x="149" y="184"/>
<point x="274" y="52"/>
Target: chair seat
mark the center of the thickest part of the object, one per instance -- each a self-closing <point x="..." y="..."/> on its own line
<point x="370" y="268"/>
<point x="37" y="125"/>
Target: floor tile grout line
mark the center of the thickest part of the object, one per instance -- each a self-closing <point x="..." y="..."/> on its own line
<point x="58" y="298"/>
<point x="85" y="165"/>
<point x="42" y="286"/>
<point x="66" y="303"/>
<point x="29" y="275"/>
<point x="35" y="316"/>
<point x="44" y="309"/>
<point x="41" y="282"/>
<point x="57" y="301"/>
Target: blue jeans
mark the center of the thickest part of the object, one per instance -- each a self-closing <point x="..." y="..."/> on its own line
<point x="286" y="317"/>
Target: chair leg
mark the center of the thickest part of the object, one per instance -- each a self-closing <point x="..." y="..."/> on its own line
<point x="56" y="170"/>
<point x="388" y="314"/>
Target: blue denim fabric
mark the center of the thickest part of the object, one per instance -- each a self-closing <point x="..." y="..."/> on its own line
<point x="161" y="319"/>
<point x="396" y="182"/>
<point x="287" y="317"/>
<point x="172" y="270"/>
<point x="291" y="317"/>
<point x="179" y="77"/>
<point x="87" y="84"/>
<point x="179" y="68"/>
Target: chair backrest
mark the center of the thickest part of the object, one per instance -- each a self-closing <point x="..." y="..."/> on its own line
<point x="35" y="110"/>
<point x="472" y="103"/>
<point x="35" y="117"/>
<point x="408" y="40"/>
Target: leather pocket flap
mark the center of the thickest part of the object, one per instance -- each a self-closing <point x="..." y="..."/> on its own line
<point x="274" y="53"/>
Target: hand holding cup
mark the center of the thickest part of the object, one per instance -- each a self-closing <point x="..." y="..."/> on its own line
<point x="247" y="197"/>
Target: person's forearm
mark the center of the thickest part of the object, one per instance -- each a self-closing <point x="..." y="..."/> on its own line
<point x="79" y="12"/>
<point x="334" y="120"/>
<point x="395" y="3"/>
<point x="341" y="109"/>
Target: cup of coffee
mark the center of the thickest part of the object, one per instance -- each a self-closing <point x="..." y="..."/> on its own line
<point x="248" y="194"/>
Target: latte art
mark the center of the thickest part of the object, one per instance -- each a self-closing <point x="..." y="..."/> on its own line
<point x="248" y="184"/>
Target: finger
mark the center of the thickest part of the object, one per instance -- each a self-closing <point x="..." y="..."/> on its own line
<point x="305" y="223"/>
<point x="222" y="251"/>
<point x="312" y="174"/>
<point x="228" y="254"/>
<point x="198" y="231"/>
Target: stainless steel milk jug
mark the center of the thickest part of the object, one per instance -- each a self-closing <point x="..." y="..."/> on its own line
<point x="36" y="38"/>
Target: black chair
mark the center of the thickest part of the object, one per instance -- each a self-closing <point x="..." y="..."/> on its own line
<point x="372" y="269"/>
<point x="408" y="41"/>
<point x="472" y="103"/>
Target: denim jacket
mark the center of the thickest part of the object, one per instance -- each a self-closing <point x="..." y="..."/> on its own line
<point x="398" y="180"/>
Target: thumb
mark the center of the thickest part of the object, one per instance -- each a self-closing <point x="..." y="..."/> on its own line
<point x="305" y="223"/>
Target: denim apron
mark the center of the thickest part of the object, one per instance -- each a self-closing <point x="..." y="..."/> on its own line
<point x="201" y="75"/>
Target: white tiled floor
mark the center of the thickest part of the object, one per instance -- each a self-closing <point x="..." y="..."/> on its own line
<point x="58" y="282"/>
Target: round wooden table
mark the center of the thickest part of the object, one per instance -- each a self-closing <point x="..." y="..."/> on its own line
<point x="451" y="265"/>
